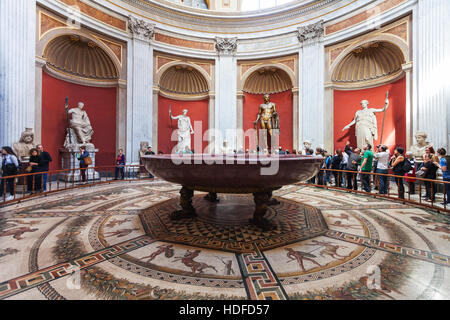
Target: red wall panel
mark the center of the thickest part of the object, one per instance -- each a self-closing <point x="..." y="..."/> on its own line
<point x="100" y="105"/>
<point x="197" y="111"/>
<point x="346" y="103"/>
<point x="284" y="107"/>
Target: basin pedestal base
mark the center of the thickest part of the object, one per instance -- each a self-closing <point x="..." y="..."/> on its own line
<point x="262" y="201"/>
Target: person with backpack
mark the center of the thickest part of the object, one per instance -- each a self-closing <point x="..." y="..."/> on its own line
<point x="400" y="167"/>
<point x="10" y="167"/>
<point x="336" y="165"/>
<point x="444" y="163"/>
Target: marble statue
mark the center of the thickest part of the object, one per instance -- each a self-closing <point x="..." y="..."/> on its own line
<point x="269" y="120"/>
<point x="25" y="144"/>
<point x="184" y="131"/>
<point x="80" y="125"/>
<point x="365" y="122"/>
<point x="418" y="150"/>
<point x="144" y="148"/>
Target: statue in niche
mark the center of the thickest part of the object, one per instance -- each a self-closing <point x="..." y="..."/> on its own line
<point x="365" y="122"/>
<point x="184" y="131"/>
<point x="418" y="149"/>
<point x="269" y="122"/>
<point x="25" y="144"/>
<point x="80" y="129"/>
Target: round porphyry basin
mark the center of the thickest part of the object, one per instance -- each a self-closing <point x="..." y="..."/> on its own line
<point x="233" y="174"/>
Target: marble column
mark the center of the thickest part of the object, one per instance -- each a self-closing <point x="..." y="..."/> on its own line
<point x="431" y="58"/>
<point x="211" y="122"/>
<point x="40" y="63"/>
<point x="140" y="113"/>
<point x="240" y="121"/>
<point x="226" y="84"/>
<point x="17" y="68"/>
<point x="311" y="84"/>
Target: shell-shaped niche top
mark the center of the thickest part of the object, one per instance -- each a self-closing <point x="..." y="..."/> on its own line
<point x="183" y="80"/>
<point x="268" y="80"/>
<point x="369" y="62"/>
<point x="80" y="57"/>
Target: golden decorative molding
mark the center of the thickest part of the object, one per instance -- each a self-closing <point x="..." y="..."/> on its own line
<point x="115" y="47"/>
<point x="363" y="16"/>
<point x="268" y="80"/>
<point x="207" y="46"/>
<point x="48" y="23"/>
<point x="183" y="80"/>
<point x="80" y="57"/>
<point x="372" y="61"/>
<point x="97" y="14"/>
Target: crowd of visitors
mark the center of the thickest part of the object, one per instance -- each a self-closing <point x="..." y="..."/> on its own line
<point x="363" y="164"/>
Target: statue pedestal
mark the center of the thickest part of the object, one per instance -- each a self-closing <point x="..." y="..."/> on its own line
<point x="69" y="161"/>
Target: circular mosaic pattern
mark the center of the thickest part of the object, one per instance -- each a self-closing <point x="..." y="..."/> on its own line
<point x="225" y="225"/>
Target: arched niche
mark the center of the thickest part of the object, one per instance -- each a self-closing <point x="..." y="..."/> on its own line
<point x="179" y="86"/>
<point x="278" y="82"/>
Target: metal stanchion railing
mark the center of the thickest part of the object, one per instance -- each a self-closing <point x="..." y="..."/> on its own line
<point x="400" y="180"/>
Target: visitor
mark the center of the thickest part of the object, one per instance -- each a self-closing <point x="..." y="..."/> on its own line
<point x="382" y="167"/>
<point x="83" y="166"/>
<point x="44" y="165"/>
<point x="348" y="149"/>
<point x="280" y="150"/>
<point x="411" y="173"/>
<point x="430" y="169"/>
<point x="34" y="180"/>
<point x="366" y="167"/>
<point x="120" y="166"/>
<point x="444" y="166"/>
<point x="10" y="167"/>
<point x="397" y="164"/>
<point x="328" y="166"/>
<point x="343" y="166"/>
<point x="354" y="160"/>
<point x="336" y="165"/>
<point x="150" y="153"/>
<point x="430" y="150"/>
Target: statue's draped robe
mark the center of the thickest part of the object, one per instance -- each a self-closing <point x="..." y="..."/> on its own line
<point x="366" y="129"/>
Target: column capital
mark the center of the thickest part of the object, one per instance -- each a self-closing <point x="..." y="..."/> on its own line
<point x="140" y="29"/>
<point x="226" y="46"/>
<point x="310" y="33"/>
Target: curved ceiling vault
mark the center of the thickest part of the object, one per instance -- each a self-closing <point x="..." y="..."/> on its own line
<point x="80" y="57"/>
<point x="268" y="81"/>
<point x="183" y="80"/>
<point x="369" y="62"/>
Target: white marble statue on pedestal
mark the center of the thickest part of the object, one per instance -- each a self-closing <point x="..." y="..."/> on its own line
<point x="184" y="131"/>
<point x="80" y="129"/>
<point x="365" y="122"/>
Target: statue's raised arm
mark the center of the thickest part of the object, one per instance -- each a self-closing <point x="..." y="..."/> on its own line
<point x="382" y="109"/>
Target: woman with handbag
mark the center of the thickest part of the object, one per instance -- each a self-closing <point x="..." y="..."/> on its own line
<point x="85" y="161"/>
<point x="33" y="167"/>
<point x="397" y="164"/>
<point x="10" y="167"/>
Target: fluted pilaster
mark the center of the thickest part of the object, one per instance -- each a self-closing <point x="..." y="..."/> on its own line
<point x="140" y="115"/>
<point x="432" y="70"/>
<point x="311" y="85"/>
<point x="17" y="68"/>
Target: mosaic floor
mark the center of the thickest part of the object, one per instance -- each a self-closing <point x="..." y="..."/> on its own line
<point x="117" y="242"/>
